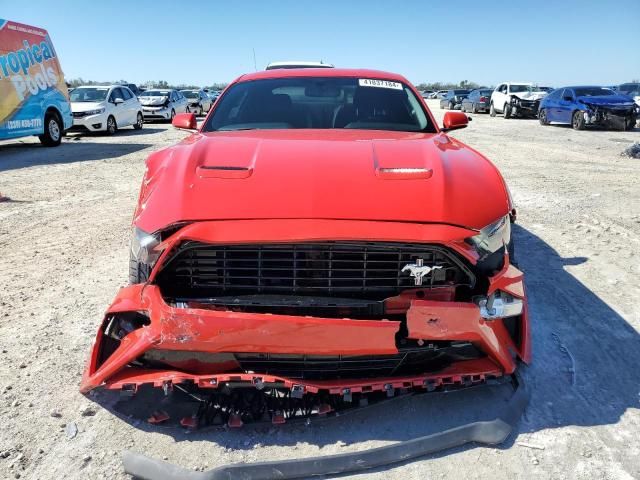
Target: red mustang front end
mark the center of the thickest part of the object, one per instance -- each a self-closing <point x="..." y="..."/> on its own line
<point x="318" y="242"/>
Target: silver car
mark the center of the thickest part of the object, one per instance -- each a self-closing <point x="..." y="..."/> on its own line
<point x="163" y="104"/>
<point x="199" y="102"/>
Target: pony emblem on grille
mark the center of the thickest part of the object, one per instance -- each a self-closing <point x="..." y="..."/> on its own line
<point x="419" y="270"/>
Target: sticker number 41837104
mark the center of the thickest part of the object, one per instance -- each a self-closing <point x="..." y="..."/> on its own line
<point x="370" y="82"/>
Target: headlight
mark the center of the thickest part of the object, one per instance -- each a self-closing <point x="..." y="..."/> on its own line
<point x="515" y="100"/>
<point x="143" y="247"/>
<point x="493" y="237"/>
<point x="95" y="112"/>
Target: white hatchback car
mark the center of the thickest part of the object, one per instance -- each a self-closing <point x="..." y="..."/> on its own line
<point x="105" y="108"/>
<point x="163" y="104"/>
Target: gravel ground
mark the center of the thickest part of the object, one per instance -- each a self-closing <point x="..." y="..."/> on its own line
<point x="63" y="254"/>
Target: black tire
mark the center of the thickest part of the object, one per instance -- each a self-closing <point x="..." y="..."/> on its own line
<point x="474" y="108"/>
<point x="53" y="130"/>
<point x="138" y="272"/>
<point x="630" y="123"/>
<point x="187" y="110"/>
<point x="173" y="114"/>
<point x="112" y="127"/>
<point x="452" y="106"/>
<point x="492" y="110"/>
<point x="577" y="120"/>
<point x="507" y="110"/>
<point x="542" y="117"/>
<point x="139" y="122"/>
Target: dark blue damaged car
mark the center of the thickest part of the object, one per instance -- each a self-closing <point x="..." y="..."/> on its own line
<point x="585" y="106"/>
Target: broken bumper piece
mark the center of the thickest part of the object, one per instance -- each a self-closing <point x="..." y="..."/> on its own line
<point x="491" y="432"/>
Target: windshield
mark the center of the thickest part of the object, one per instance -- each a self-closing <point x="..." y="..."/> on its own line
<point x="155" y="93"/>
<point x="629" y="88"/>
<point x="520" y="88"/>
<point x="593" y="91"/>
<point x="89" y="94"/>
<point x="190" y="93"/>
<point x="319" y="102"/>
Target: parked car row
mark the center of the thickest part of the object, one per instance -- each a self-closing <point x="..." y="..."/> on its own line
<point x="578" y="106"/>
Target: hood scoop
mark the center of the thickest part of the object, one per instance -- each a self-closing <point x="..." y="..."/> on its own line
<point x="238" y="163"/>
<point x="400" y="162"/>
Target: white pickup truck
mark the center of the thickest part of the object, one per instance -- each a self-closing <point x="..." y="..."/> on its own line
<point x="516" y="99"/>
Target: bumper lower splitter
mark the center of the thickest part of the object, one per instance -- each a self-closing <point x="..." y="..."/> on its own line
<point x="491" y="432"/>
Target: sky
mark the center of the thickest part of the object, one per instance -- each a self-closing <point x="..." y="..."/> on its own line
<point x="552" y="43"/>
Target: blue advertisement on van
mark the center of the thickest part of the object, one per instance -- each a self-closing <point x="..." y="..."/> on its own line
<point x="33" y="95"/>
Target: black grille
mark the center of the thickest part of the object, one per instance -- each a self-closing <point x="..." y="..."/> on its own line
<point x="79" y="114"/>
<point x="407" y="361"/>
<point x="334" y="269"/>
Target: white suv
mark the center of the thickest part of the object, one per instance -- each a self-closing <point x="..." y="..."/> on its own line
<point x="105" y="108"/>
<point x="516" y="99"/>
<point x="163" y="104"/>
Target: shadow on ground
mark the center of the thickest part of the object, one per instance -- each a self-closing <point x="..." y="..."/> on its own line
<point x="585" y="372"/>
<point x="24" y="155"/>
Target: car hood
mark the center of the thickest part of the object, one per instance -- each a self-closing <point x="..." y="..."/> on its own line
<point x="86" y="106"/>
<point x="530" y="95"/>
<point x="320" y="174"/>
<point x="607" y="100"/>
<point x="152" y="101"/>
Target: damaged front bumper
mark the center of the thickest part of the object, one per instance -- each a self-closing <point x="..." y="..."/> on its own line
<point x="490" y="432"/>
<point x="198" y="347"/>
<point x="610" y="117"/>
<point x="524" y="108"/>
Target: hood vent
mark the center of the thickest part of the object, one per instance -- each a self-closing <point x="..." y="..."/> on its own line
<point x="401" y="173"/>
<point x="224" y="171"/>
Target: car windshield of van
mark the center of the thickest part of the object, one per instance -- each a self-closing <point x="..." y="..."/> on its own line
<point x="89" y="94"/>
<point x="156" y="93"/>
<point x="593" y="92"/>
<point x="319" y="103"/>
<point x="190" y="93"/>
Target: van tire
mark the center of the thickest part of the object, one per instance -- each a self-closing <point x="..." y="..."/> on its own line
<point x="53" y="130"/>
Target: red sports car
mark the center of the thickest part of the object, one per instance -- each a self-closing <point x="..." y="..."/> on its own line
<point x="318" y="242"/>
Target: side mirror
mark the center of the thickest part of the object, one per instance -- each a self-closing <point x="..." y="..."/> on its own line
<point x="454" y="121"/>
<point x="118" y="101"/>
<point x="185" y="121"/>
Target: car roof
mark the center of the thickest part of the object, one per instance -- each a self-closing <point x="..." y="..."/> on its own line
<point x="298" y="64"/>
<point x="583" y="86"/>
<point x="322" y="72"/>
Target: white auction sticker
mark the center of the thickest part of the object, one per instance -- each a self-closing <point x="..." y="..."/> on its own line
<point x="370" y="82"/>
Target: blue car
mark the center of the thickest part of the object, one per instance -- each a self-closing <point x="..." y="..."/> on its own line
<point x="583" y="106"/>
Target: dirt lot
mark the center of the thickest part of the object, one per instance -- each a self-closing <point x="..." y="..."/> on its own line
<point x="63" y="254"/>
